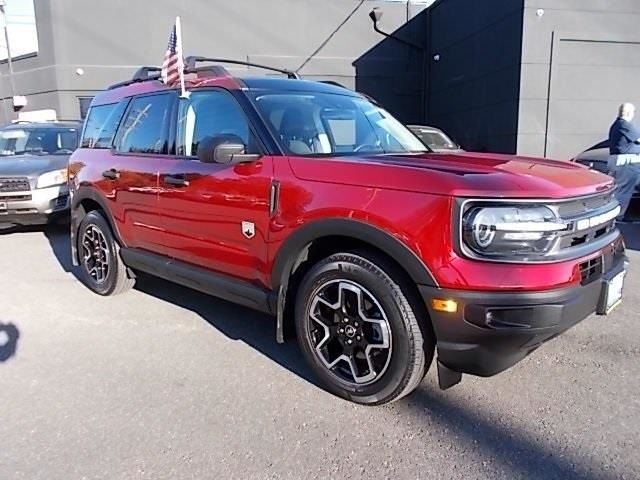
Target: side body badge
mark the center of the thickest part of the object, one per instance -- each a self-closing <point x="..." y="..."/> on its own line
<point x="249" y="229"/>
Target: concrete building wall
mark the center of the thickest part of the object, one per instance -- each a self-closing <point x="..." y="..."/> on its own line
<point x="109" y="40"/>
<point x="580" y="59"/>
<point x="474" y="71"/>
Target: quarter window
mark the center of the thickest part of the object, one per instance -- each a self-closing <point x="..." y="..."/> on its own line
<point x="144" y="129"/>
<point x="101" y="126"/>
<point x="210" y="114"/>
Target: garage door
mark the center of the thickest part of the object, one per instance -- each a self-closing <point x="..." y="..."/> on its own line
<point x="589" y="79"/>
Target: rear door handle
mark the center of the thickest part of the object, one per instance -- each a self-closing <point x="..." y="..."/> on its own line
<point x="111" y="174"/>
<point x="177" y="180"/>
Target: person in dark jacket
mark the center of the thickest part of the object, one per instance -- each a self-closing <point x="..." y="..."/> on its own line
<point x="624" y="160"/>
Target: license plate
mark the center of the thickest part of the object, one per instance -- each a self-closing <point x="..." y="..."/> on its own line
<point x="614" y="289"/>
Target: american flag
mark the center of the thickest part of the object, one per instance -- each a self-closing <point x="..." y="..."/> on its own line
<point x="173" y="64"/>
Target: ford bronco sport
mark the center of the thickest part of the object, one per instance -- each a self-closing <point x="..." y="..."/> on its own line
<point x="308" y="201"/>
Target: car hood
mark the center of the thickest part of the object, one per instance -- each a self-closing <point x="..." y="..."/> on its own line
<point x="463" y="174"/>
<point x="31" y="166"/>
<point x="598" y="155"/>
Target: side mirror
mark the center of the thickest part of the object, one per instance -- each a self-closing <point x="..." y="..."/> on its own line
<point x="224" y="149"/>
<point x="226" y="152"/>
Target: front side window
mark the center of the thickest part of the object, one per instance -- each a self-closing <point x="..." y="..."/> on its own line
<point x="38" y="141"/>
<point x="211" y="113"/>
<point x="332" y="124"/>
<point x="102" y="123"/>
<point x="144" y="130"/>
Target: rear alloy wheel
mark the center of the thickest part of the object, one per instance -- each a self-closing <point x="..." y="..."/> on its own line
<point x="103" y="271"/>
<point x="359" y="330"/>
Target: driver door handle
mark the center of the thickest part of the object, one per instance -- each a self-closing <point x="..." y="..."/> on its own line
<point x="177" y="180"/>
<point x="111" y="174"/>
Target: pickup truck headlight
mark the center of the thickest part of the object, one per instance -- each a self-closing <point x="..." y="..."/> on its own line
<point x="510" y="232"/>
<point x="50" y="179"/>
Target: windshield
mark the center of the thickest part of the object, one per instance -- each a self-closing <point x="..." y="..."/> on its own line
<point x="332" y="124"/>
<point x="38" y="141"/>
<point x="436" y="140"/>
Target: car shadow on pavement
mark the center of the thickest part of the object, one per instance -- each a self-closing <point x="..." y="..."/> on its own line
<point x="238" y="323"/>
<point x="523" y="454"/>
<point x="256" y="329"/>
<point x="9" y="335"/>
<point x="59" y="241"/>
<point x="512" y="448"/>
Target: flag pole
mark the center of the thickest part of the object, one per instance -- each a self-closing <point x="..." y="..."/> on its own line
<point x="183" y="92"/>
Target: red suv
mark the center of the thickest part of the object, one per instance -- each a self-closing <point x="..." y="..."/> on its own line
<point x="308" y="201"/>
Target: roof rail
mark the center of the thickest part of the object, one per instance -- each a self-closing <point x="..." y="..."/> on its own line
<point x="334" y="83"/>
<point x="191" y="62"/>
<point x="143" y="74"/>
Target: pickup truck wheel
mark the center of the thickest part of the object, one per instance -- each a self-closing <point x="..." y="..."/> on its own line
<point x="359" y="331"/>
<point x="103" y="270"/>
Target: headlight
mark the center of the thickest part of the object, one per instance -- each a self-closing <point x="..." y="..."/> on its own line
<point x="49" y="179"/>
<point x="510" y="232"/>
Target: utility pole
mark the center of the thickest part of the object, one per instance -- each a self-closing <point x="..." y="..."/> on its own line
<point x="3" y="14"/>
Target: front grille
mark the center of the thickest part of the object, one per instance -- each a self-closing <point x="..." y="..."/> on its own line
<point x="15" y="198"/>
<point x="577" y="212"/>
<point x="590" y="270"/>
<point x="581" y="206"/>
<point x="14" y="184"/>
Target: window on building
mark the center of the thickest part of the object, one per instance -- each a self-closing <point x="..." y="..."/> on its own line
<point x="101" y="125"/>
<point x="211" y="114"/>
<point x="84" y="103"/>
<point x="144" y="130"/>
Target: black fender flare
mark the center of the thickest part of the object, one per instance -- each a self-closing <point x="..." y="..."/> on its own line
<point x="80" y="195"/>
<point x="288" y="256"/>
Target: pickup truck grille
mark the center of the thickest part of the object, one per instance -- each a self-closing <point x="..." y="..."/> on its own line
<point x="14" y="184"/>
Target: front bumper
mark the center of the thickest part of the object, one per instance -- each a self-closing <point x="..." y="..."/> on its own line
<point x="34" y="207"/>
<point x="490" y="332"/>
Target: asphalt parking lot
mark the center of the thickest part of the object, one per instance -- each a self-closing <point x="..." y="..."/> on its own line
<point x="166" y="383"/>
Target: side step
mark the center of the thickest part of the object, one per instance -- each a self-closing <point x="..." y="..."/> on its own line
<point x="198" y="278"/>
<point x="447" y="378"/>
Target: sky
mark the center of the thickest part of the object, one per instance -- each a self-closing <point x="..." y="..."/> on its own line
<point x="21" y="22"/>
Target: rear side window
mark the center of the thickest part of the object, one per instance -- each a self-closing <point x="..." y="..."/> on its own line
<point x="101" y="126"/>
<point x="145" y="127"/>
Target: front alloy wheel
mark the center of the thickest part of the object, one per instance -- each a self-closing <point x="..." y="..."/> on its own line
<point x="350" y="332"/>
<point x="361" y="330"/>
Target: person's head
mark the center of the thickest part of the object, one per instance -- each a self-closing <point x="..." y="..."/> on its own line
<point x="627" y="111"/>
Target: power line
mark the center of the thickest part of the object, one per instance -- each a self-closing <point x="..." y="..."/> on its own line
<point x="331" y="35"/>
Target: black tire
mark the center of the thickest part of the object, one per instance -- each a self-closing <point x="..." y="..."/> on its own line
<point x="114" y="279"/>
<point x="375" y="283"/>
